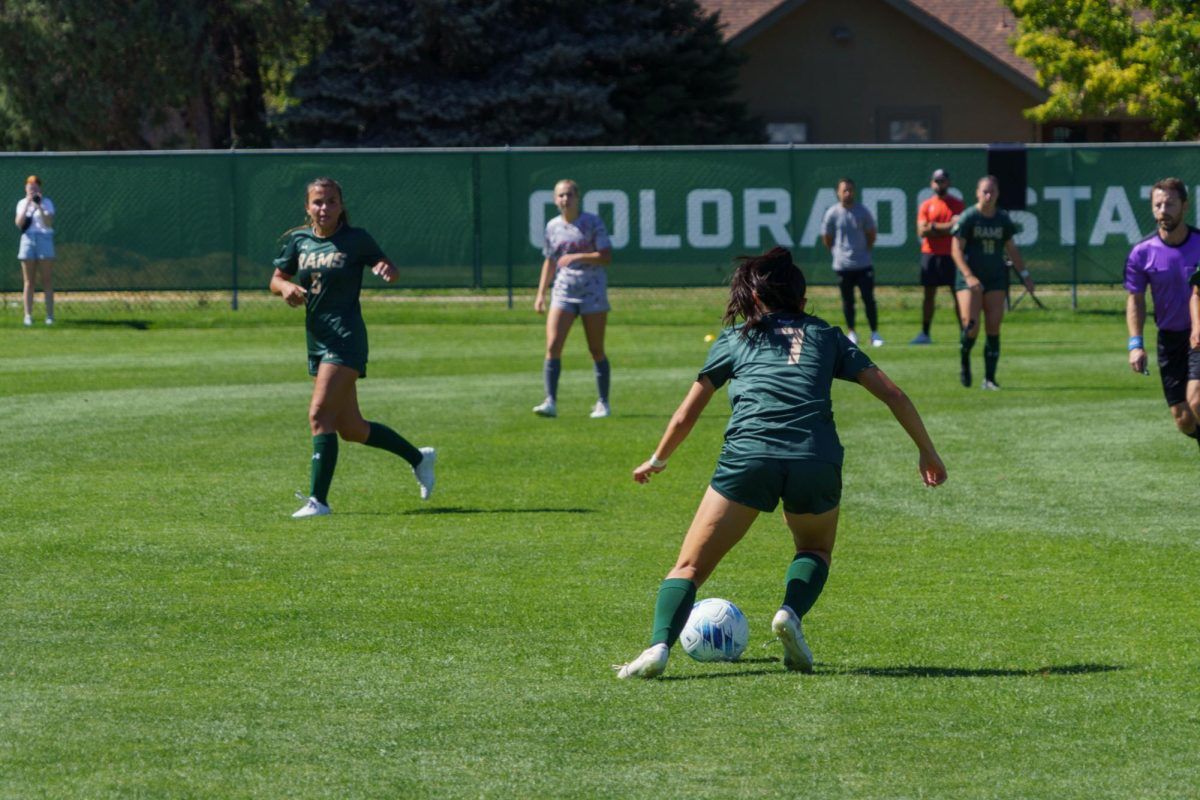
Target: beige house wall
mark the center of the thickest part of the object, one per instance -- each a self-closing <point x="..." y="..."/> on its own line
<point x="846" y="91"/>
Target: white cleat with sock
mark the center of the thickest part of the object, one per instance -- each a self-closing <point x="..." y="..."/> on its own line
<point x="312" y="508"/>
<point x="601" y="410"/>
<point x="546" y="409"/>
<point x="424" y="471"/>
<point x="650" y="664"/>
<point x="796" y="655"/>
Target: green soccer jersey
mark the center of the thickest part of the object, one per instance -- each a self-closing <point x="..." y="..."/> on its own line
<point x="331" y="270"/>
<point x="779" y="387"/>
<point x="984" y="239"/>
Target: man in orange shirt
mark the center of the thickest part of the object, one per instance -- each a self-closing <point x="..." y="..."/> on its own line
<point x="934" y="219"/>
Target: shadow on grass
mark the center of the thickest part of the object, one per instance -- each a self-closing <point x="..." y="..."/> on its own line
<point x="459" y="510"/>
<point x="965" y="672"/>
<point x="136" y="324"/>
<point x="905" y="672"/>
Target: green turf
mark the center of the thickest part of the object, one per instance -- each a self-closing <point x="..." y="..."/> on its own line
<point x="166" y="630"/>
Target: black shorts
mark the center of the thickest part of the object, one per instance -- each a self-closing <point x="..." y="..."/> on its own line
<point x="937" y="270"/>
<point x="1177" y="364"/>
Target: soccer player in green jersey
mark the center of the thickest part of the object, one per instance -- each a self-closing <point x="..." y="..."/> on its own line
<point x="983" y="236"/>
<point x="781" y="443"/>
<point x="320" y="267"/>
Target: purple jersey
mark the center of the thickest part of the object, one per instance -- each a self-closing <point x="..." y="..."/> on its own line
<point x="1166" y="268"/>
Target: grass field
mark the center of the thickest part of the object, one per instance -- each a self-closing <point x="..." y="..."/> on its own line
<point x="166" y="630"/>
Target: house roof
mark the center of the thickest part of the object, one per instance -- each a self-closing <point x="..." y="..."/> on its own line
<point x="981" y="28"/>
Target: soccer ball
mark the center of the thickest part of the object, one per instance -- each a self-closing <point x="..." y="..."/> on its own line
<point x="716" y="630"/>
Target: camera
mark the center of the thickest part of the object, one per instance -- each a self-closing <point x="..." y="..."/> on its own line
<point x="37" y="198"/>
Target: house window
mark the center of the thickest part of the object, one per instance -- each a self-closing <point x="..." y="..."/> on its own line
<point x="787" y="132"/>
<point x="908" y="125"/>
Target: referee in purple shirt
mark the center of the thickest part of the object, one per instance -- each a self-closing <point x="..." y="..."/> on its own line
<point x="1164" y="261"/>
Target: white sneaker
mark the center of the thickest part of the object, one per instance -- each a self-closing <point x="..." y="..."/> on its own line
<point x="650" y="664"/>
<point x="989" y="386"/>
<point x="546" y="409"/>
<point x="601" y="410"/>
<point x="876" y="339"/>
<point x="853" y="337"/>
<point x="796" y="655"/>
<point x="922" y="338"/>
<point x="424" y="471"/>
<point x="312" y="508"/>
<point x="28" y="320"/>
<point x="49" y="320"/>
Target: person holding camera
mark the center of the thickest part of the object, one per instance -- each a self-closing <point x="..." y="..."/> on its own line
<point x="35" y="218"/>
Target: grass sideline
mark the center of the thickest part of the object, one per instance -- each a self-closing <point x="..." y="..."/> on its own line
<point x="1028" y="630"/>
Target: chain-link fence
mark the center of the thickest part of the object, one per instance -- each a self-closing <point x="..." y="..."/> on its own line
<point x="187" y="228"/>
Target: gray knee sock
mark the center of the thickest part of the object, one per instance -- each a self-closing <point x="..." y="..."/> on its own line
<point x="603" y="374"/>
<point x="550" y="372"/>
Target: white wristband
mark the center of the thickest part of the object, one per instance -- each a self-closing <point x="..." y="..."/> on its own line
<point x="654" y="462"/>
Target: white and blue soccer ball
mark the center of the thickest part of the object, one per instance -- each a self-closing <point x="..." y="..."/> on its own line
<point x="716" y="630"/>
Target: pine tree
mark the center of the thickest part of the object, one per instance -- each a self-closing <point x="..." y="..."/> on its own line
<point x="521" y="72"/>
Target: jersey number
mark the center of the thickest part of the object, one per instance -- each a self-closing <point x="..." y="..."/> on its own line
<point x="988" y="245"/>
<point x="796" y="338"/>
<point x="315" y="285"/>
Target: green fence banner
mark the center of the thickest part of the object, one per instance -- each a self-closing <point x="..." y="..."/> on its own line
<point x="167" y="221"/>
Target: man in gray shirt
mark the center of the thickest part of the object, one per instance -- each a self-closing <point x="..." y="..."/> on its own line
<point x="849" y="233"/>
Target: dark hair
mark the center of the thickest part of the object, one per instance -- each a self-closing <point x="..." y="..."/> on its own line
<point x="1172" y="185"/>
<point x="846" y="180"/>
<point x="774" y="279"/>
<point x="322" y="183"/>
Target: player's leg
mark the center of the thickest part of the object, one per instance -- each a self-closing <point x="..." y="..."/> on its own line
<point x="558" y="325"/>
<point x="866" y="287"/>
<point x="46" y="272"/>
<point x="719" y="524"/>
<point x="28" y="272"/>
<point x="812" y="497"/>
<point x="352" y="427"/>
<point x="846" y="287"/>
<point x="1193" y="389"/>
<point x="970" y="302"/>
<point x="994" y="303"/>
<point x="928" y="307"/>
<point x="593" y="327"/>
<point x="1175" y="368"/>
<point x="333" y="388"/>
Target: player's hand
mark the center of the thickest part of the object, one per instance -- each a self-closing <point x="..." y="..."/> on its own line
<point x="642" y="473"/>
<point x="293" y="294"/>
<point x="1137" y="360"/>
<point x="565" y="260"/>
<point x="539" y="304"/>
<point x="1194" y="340"/>
<point x="1029" y="284"/>
<point x="974" y="284"/>
<point x="933" y="471"/>
<point x="385" y="270"/>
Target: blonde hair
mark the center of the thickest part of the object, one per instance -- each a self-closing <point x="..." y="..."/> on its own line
<point x="568" y="181"/>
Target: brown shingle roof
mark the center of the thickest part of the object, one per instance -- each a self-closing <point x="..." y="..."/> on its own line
<point x="986" y="24"/>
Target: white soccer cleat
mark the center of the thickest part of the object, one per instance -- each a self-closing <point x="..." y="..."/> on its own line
<point x="601" y="410"/>
<point x="853" y="337"/>
<point x="796" y="655"/>
<point x="990" y="386"/>
<point x="876" y="339"/>
<point x="424" y="471"/>
<point x="650" y="664"/>
<point x="49" y="320"/>
<point x="922" y="338"/>
<point x="546" y="409"/>
<point x="312" y="508"/>
<point x="28" y="321"/>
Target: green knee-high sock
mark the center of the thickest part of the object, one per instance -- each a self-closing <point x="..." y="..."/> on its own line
<point x="671" y="609"/>
<point x="324" y="462"/>
<point x="991" y="356"/>
<point x="385" y="438"/>
<point x="965" y="343"/>
<point x="805" y="580"/>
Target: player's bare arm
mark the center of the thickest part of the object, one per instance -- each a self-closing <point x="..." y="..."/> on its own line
<point x="958" y="253"/>
<point x="386" y="269"/>
<point x="681" y="424"/>
<point x="292" y="293"/>
<point x="875" y="381"/>
<point x="1135" y="321"/>
<point x="1014" y="255"/>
